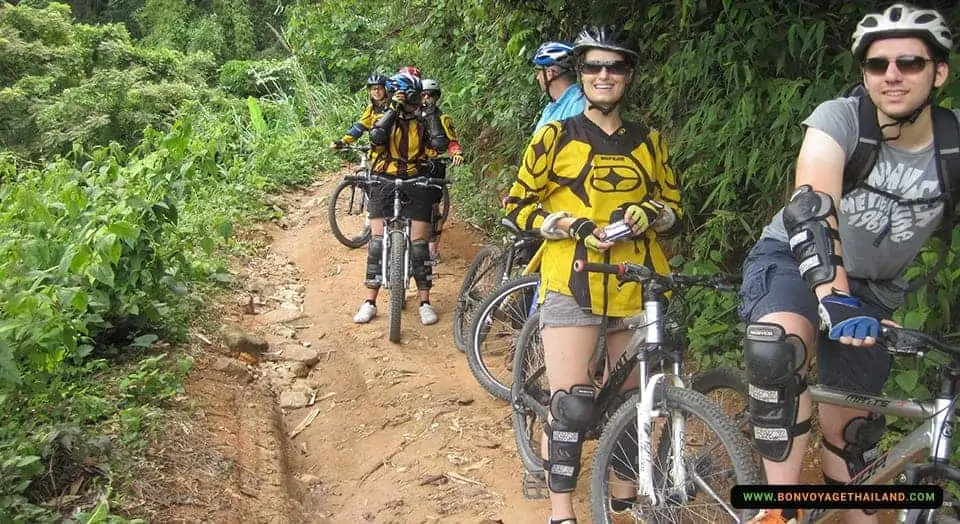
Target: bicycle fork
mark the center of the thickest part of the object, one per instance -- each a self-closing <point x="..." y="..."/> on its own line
<point x="646" y="413"/>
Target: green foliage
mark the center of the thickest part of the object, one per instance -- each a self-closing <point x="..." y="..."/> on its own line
<point x="63" y="84"/>
<point x="243" y="78"/>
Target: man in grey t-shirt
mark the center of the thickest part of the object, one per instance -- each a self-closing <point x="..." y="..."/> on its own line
<point x="838" y="262"/>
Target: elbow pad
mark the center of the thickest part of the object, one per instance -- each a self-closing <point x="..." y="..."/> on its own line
<point x="438" y="137"/>
<point x="811" y="236"/>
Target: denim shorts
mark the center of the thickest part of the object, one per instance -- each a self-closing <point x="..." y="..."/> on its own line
<point x="772" y="283"/>
<point x="559" y="310"/>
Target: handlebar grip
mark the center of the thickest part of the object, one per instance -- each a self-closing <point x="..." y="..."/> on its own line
<point x="580" y="265"/>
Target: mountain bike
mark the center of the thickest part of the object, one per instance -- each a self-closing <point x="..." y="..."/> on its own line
<point x="396" y="261"/>
<point x="347" y="208"/>
<point x="667" y="452"/>
<point x="492" y="266"/>
<point x="924" y="455"/>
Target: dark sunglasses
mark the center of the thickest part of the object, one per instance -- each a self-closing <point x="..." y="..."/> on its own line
<point x="907" y="64"/>
<point x="613" y="67"/>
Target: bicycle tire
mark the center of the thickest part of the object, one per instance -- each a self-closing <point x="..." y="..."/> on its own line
<point x="471" y="294"/>
<point x="527" y="426"/>
<point x="397" y="282"/>
<point x="333" y="214"/>
<point x="445" y="204"/>
<point x="720" y="430"/>
<point x="499" y="318"/>
<point x="726" y="379"/>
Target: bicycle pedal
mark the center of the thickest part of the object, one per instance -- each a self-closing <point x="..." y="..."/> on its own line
<point x="534" y="486"/>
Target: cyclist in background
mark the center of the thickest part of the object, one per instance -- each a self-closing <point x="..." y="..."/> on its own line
<point x="577" y="176"/>
<point x="557" y="78"/>
<point x="410" y="70"/>
<point x="430" y="101"/>
<point x="795" y="280"/>
<point x="376" y="84"/>
<point x="404" y="140"/>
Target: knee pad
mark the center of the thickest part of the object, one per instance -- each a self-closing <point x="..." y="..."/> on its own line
<point x="775" y="364"/>
<point x="374" y="262"/>
<point x="572" y="413"/>
<point x="861" y="437"/>
<point x="421" y="265"/>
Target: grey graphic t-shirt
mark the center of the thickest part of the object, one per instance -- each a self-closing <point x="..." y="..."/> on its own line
<point x="880" y="235"/>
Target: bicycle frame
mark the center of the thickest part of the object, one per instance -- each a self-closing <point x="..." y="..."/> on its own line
<point x="899" y="461"/>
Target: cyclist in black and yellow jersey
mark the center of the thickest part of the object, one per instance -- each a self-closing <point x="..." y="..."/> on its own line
<point x="430" y="100"/>
<point x="404" y="140"/>
<point x="376" y="84"/>
<point x="577" y="176"/>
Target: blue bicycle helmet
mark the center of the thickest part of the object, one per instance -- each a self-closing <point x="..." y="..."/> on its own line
<point x="556" y="54"/>
<point x="406" y="83"/>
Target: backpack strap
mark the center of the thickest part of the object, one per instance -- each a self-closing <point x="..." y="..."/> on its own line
<point x="946" y="138"/>
<point x="864" y="156"/>
<point x="946" y="143"/>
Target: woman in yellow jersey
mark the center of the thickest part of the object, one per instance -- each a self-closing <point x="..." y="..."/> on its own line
<point x="404" y="140"/>
<point x="376" y="84"/>
<point x="577" y="176"/>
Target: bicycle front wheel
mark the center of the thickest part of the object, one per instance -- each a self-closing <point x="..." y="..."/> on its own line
<point x="397" y="283"/>
<point x="715" y="457"/>
<point x="481" y="278"/>
<point x="347" y="214"/>
<point x="494" y="333"/>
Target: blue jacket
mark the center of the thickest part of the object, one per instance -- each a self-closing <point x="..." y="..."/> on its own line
<point x="571" y="103"/>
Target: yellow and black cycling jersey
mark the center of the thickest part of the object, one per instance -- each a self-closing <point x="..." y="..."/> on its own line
<point x="370" y="115"/>
<point x="574" y="166"/>
<point x="407" y="150"/>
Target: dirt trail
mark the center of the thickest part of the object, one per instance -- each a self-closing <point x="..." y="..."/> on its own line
<point x="400" y="433"/>
<point x="400" y="415"/>
<point x="397" y="433"/>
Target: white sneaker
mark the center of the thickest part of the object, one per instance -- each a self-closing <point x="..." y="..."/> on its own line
<point x="366" y="312"/>
<point x="428" y="315"/>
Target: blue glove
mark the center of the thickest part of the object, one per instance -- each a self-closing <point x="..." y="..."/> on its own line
<point x="845" y="316"/>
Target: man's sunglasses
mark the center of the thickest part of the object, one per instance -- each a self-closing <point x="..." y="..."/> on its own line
<point x="613" y="67"/>
<point x="907" y="64"/>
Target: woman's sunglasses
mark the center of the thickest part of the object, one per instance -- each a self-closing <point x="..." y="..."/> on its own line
<point x="614" y="67"/>
<point x="907" y="64"/>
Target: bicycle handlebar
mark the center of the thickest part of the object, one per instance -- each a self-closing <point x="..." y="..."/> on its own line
<point x="911" y="341"/>
<point x="350" y="147"/>
<point x="629" y="272"/>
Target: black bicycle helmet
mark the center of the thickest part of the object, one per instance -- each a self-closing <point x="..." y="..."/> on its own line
<point x="376" y="79"/>
<point x="609" y="37"/>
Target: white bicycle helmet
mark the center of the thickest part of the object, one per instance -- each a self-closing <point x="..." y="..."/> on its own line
<point x="901" y="20"/>
<point x="430" y="84"/>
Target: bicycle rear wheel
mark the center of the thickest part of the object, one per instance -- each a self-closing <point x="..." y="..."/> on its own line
<point x="494" y="333"/>
<point x="347" y="214"/>
<point x="481" y="278"/>
<point x="397" y="284"/>
<point x="530" y="395"/>
<point x="716" y="456"/>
